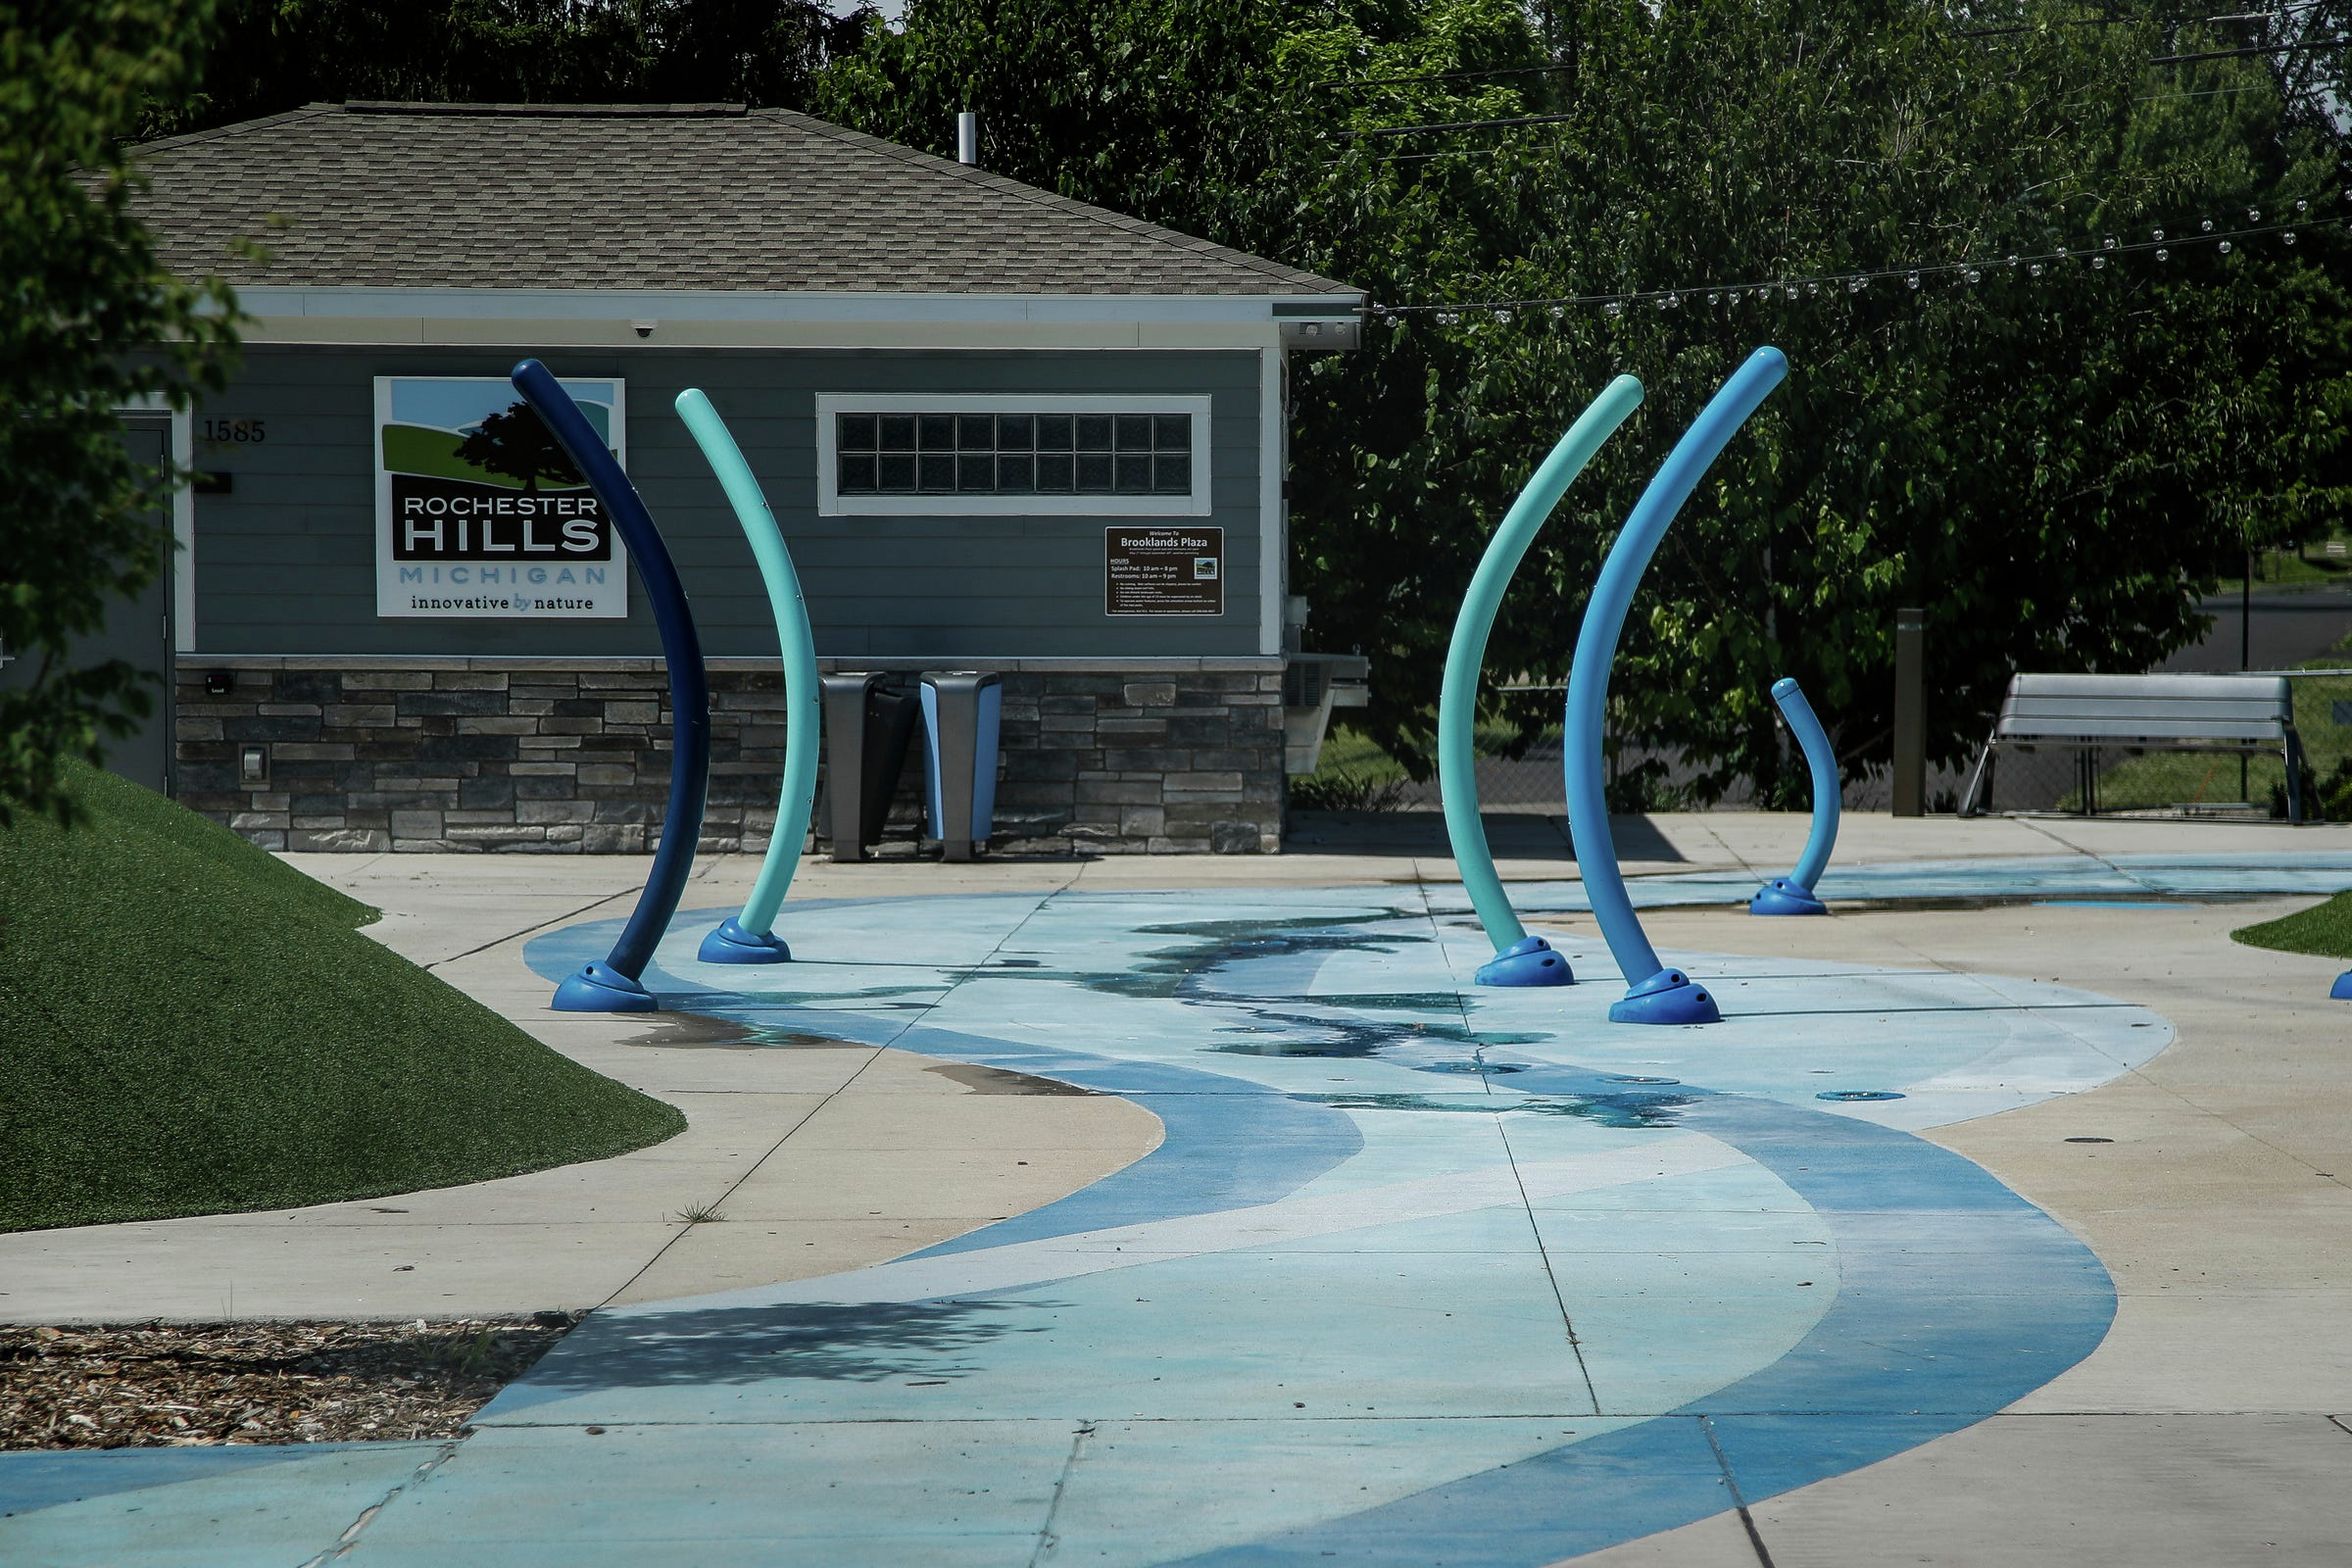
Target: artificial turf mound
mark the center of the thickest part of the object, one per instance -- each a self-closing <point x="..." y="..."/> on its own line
<point x="2324" y="930"/>
<point x="189" y="1026"/>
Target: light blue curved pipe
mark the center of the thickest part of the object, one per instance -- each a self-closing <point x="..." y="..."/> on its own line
<point x="1520" y="959"/>
<point x="748" y="938"/>
<point x="1793" y="894"/>
<point x="1658" y="994"/>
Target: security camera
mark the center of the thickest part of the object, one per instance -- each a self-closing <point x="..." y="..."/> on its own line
<point x="643" y="328"/>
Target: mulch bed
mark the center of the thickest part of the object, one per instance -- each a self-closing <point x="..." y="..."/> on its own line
<point x="157" y="1385"/>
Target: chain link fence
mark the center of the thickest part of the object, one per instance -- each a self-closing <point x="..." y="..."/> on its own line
<point x="2148" y="781"/>
<point x="1522" y="774"/>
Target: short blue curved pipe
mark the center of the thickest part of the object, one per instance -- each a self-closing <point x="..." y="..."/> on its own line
<point x="613" y="985"/>
<point x="1519" y="958"/>
<point x="751" y="937"/>
<point x="1658" y="994"/>
<point x="1793" y="894"/>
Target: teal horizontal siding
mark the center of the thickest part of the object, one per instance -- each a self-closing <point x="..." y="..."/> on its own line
<point x="286" y="563"/>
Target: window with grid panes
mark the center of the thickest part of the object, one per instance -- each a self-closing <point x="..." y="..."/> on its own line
<point x="1013" y="454"/>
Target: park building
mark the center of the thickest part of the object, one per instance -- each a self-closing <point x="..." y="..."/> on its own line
<point x="982" y="414"/>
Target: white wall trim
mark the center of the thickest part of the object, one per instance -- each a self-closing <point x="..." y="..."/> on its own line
<point x="797" y="305"/>
<point x="1046" y="663"/>
<point x="184" y="519"/>
<point x="184" y="530"/>
<point x="1273" y="520"/>
<point x="830" y="503"/>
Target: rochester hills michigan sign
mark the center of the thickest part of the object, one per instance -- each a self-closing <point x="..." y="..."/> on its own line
<point x="480" y="515"/>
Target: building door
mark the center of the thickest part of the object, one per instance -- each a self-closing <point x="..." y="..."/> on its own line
<point x="137" y="630"/>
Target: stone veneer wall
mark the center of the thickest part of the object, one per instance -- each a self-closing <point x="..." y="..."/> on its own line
<point x="572" y="756"/>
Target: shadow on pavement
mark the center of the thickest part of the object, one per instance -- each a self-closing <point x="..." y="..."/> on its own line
<point x="1510" y="835"/>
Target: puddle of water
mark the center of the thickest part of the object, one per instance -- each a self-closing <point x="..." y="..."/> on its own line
<point x="1618" y="1112"/>
<point x="999" y="1081"/>
<point x="692" y="1031"/>
<point x="1164" y="971"/>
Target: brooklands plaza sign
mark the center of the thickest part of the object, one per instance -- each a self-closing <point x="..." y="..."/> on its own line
<point x="479" y="514"/>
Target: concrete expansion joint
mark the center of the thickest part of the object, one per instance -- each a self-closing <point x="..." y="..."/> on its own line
<point x="1047" y="1539"/>
<point x="349" y="1540"/>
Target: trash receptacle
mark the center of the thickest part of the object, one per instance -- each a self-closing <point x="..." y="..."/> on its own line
<point x="869" y="727"/>
<point x="963" y="713"/>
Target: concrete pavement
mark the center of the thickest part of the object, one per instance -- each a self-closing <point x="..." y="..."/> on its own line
<point x="2206" y="1427"/>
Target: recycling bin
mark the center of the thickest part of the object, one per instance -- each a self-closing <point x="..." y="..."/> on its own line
<point x="868" y="726"/>
<point x="964" y="712"/>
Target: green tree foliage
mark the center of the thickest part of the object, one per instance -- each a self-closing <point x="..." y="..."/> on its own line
<point x="93" y="321"/>
<point x="517" y="443"/>
<point x="277" y="55"/>
<point x="2050" y="464"/>
<point x="1166" y="109"/>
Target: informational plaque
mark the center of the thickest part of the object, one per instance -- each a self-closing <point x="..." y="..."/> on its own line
<point x="1163" y="572"/>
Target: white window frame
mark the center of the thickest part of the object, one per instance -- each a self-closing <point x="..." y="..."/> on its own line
<point x="831" y="503"/>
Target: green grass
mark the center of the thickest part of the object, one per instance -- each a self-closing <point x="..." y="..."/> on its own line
<point x="1353" y="775"/>
<point x="2324" y="930"/>
<point x="2158" y="779"/>
<point x="189" y="1026"/>
<point x="2286" y="569"/>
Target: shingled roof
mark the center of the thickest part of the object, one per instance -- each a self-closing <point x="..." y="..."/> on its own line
<point x="694" y="196"/>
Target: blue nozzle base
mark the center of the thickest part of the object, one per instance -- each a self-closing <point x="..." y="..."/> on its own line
<point x="1528" y="961"/>
<point x="2341" y="991"/>
<point x="729" y="942"/>
<point x="1781" y="896"/>
<point x="1667" y="997"/>
<point x="598" y="988"/>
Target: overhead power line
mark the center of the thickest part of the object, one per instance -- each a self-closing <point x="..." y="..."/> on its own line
<point x="2124" y="21"/>
<point x="1452" y="124"/>
<point x="1445" y="75"/>
<point x="2241" y="54"/>
<point x="2159" y="245"/>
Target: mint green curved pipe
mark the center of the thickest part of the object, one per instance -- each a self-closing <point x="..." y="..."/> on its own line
<point x="801" y="693"/>
<point x="1458" y="698"/>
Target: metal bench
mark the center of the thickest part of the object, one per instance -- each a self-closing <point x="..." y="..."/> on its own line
<point x="2242" y="713"/>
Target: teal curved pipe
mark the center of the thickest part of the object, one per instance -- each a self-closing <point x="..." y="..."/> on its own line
<point x="1822" y="762"/>
<point x="1457" y="700"/>
<point x="799" y="644"/>
<point x="1658" y="994"/>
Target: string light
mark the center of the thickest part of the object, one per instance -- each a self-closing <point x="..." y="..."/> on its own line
<point x="1913" y="278"/>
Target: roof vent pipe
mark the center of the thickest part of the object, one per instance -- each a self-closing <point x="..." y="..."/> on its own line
<point x="967" y="138"/>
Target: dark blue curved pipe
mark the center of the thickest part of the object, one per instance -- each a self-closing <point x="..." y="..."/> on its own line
<point x="613" y="985"/>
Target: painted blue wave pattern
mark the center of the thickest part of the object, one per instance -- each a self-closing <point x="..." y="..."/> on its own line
<point x="1420" y="1272"/>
